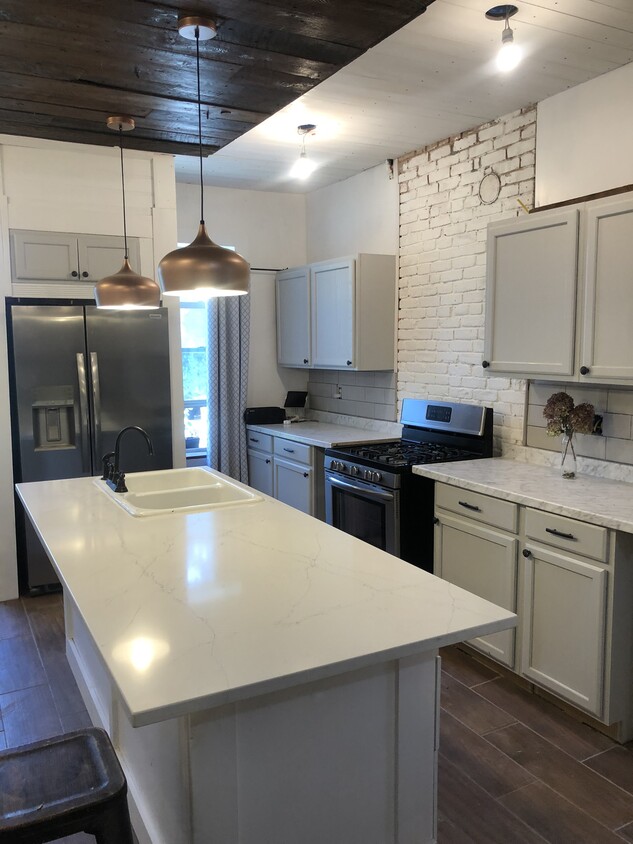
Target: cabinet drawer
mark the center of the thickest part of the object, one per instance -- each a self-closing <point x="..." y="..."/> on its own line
<point x="569" y="534"/>
<point x="292" y="450"/>
<point x="263" y="442"/>
<point x="481" y="508"/>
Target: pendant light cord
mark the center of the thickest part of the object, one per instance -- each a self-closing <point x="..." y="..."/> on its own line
<point x="123" y="191"/>
<point x="199" y="125"/>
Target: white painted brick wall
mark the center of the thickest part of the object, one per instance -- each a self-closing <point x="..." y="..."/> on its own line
<point x="443" y="264"/>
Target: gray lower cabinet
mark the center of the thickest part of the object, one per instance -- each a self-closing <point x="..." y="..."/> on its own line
<point x="286" y="470"/>
<point x="571" y="585"/>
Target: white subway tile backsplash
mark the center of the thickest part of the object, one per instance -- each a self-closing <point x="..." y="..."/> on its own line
<point x="617" y="425"/>
<point x="620" y="401"/>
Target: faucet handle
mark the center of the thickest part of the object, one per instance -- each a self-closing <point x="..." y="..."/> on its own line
<point x="120" y="482"/>
<point x="108" y="468"/>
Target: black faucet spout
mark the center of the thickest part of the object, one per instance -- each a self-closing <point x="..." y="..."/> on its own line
<point x="117" y="445"/>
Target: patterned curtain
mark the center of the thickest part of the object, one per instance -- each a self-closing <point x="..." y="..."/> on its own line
<point x="228" y="345"/>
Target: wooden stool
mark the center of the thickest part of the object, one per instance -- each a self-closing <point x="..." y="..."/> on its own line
<point x="63" y="785"/>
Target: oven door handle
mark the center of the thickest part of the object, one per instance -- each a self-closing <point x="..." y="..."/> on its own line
<point x="370" y="493"/>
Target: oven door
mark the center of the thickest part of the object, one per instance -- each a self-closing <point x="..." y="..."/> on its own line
<point x="366" y="511"/>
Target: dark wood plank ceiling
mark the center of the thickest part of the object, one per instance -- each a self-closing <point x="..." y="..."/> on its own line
<point x="65" y="65"/>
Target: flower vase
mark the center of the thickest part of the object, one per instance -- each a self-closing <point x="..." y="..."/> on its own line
<point x="567" y="456"/>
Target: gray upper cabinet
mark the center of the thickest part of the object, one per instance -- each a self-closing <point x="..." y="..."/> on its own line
<point x="559" y="298"/>
<point x="338" y="314"/>
<point x="531" y="294"/>
<point x="607" y="339"/>
<point x="45" y="257"/>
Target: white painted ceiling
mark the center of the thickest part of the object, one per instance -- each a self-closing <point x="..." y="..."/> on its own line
<point x="433" y="78"/>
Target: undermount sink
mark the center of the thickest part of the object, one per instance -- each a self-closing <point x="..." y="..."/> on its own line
<point x="175" y="490"/>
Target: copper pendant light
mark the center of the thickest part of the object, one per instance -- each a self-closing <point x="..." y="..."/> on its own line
<point x="126" y="289"/>
<point x="203" y="269"/>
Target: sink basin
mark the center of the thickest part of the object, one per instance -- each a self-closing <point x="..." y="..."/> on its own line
<point x="176" y="490"/>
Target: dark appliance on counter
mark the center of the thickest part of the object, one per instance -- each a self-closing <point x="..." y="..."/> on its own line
<point x="371" y="491"/>
<point x="77" y="376"/>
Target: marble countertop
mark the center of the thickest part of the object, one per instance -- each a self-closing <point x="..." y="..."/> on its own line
<point x="191" y="611"/>
<point x="597" y="500"/>
<point x="323" y="434"/>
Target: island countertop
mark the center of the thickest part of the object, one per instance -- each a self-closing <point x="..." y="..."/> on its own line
<point x="592" y="499"/>
<point x="193" y="610"/>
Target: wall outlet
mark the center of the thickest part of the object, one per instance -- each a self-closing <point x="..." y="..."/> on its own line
<point x="338" y="392"/>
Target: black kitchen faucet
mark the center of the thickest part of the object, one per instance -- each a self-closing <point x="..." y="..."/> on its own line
<point x="112" y="473"/>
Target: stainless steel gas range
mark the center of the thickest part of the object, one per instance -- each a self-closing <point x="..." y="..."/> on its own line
<point x="371" y="491"/>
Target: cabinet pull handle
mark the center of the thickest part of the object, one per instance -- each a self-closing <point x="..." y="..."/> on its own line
<point x="436" y="521"/>
<point x="289" y="450"/>
<point x="584" y="370"/>
<point x="74" y="273"/>
<point x="526" y="553"/>
<point x="470" y="506"/>
<point x="254" y="440"/>
<point x="84" y="274"/>
<point x="560" y="533"/>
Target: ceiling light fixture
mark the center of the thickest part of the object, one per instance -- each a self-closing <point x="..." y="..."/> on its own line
<point x="510" y="53"/>
<point x="125" y="289"/>
<point x="304" y="167"/>
<point x="203" y="269"/>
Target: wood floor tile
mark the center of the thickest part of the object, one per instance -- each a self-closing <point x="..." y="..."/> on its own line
<point x="616" y="765"/>
<point x="477" y="815"/>
<point x="20" y="664"/>
<point x="471" y="709"/>
<point x="575" y="738"/>
<point x="13" y="620"/>
<point x="448" y="833"/>
<point x="29" y="715"/>
<point x="587" y="790"/>
<point x="482" y="762"/>
<point x="47" y="625"/>
<point x="626" y="832"/>
<point x="63" y="686"/>
<point x="555" y="817"/>
<point x="76" y="721"/>
<point x="464" y="668"/>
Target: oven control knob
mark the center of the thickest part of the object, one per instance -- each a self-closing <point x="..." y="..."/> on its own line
<point x="338" y="466"/>
<point x="376" y="477"/>
<point x="354" y="470"/>
<point x="367" y="474"/>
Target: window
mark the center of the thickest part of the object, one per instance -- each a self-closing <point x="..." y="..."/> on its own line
<point x="193" y="329"/>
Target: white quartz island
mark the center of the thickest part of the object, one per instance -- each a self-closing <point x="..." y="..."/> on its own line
<point x="264" y="677"/>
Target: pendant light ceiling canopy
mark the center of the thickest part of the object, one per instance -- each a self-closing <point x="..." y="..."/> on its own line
<point x="203" y="269"/>
<point x="125" y="289"/>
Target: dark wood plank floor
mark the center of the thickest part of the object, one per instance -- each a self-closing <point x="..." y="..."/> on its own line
<point x="514" y="769"/>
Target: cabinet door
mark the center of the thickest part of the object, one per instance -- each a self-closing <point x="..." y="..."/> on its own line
<point x="484" y="562"/>
<point x="607" y="339"/>
<point x="43" y="256"/>
<point x="260" y="471"/>
<point x="563" y="617"/>
<point x="294" y="484"/>
<point x="531" y="294"/>
<point x="293" y="317"/>
<point x="333" y="314"/>
<point x="102" y="255"/>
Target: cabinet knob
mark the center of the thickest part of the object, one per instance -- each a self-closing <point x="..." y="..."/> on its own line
<point x="485" y="364"/>
<point x="84" y="274"/>
<point x="436" y="521"/>
<point x="305" y="474"/>
<point x="349" y="363"/>
<point x="267" y="460"/>
<point x="526" y="553"/>
<point x="584" y="370"/>
<point x="74" y="273"/>
<point x="305" y="360"/>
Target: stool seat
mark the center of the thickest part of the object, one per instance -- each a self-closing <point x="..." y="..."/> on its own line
<point x="63" y="785"/>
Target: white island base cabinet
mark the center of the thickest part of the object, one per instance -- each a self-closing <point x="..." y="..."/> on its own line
<point x="345" y="760"/>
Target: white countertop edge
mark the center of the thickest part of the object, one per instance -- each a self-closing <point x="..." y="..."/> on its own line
<point x="602" y="512"/>
<point x="323" y="434"/>
<point x="143" y="718"/>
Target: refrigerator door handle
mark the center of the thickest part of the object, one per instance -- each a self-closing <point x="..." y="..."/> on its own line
<point x="83" y="412"/>
<point x="96" y="402"/>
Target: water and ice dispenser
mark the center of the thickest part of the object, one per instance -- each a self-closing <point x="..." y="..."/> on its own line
<point x="53" y="418"/>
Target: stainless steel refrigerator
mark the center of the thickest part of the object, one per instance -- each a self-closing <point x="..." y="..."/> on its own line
<point x="78" y="375"/>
